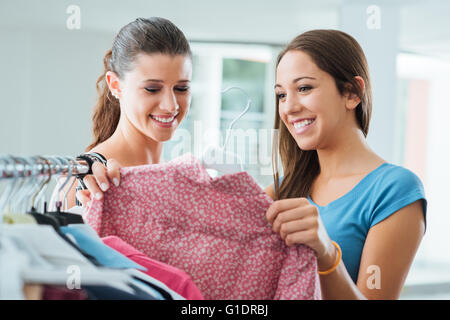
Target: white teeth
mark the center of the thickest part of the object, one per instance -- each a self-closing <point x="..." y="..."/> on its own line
<point x="165" y="120"/>
<point x="303" y="123"/>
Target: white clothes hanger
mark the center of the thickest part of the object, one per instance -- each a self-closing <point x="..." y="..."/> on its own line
<point x="217" y="158"/>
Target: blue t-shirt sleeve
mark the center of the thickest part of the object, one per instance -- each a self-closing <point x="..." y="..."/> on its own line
<point x="397" y="188"/>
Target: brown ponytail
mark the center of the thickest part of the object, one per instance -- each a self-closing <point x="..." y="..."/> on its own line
<point x="340" y="55"/>
<point x="153" y="35"/>
<point x="107" y="110"/>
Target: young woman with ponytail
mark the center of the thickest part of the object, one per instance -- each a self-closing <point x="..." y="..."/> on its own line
<point x="364" y="217"/>
<point x="144" y="94"/>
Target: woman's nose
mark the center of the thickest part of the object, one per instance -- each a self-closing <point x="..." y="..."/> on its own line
<point x="169" y="103"/>
<point x="292" y="104"/>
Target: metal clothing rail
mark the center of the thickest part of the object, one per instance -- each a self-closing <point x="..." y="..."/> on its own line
<point x="25" y="179"/>
<point x="12" y="167"/>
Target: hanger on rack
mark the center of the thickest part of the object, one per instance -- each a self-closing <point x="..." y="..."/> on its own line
<point x="42" y="187"/>
<point x="10" y="187"/>
<point x="217" y="158"/>
<point x="27" y="179"/>
<point x="20" y="201"/>
<point x="64" y="217"/>
<point x="19" y="185"/>
<point x="13" y="200"/>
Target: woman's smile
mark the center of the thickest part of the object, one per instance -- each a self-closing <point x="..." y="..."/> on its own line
<point x="302" y="125"/>
<point x="165" y="121"/>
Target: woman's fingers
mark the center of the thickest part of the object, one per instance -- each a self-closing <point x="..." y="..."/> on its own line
<point x="299" y="213"/>
<point x="283" y="205"/>
<point x="91" y="183"/>
<point x="304" y="237"/>
<point x="285" y="216"/>
<point x="84" y="196"/>
<point x="113" y="168"/>
<point x="99" y="181"/>
<point x="297" y="225"/>
<point x="100" y="174"/>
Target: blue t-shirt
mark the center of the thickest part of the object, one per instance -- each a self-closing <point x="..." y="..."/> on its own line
<point x="379" y="194"/>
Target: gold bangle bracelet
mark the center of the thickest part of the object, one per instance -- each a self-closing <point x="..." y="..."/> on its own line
<point x="338" y="260"/>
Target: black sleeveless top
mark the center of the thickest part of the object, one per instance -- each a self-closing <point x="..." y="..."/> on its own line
<point x="95" y="156"/>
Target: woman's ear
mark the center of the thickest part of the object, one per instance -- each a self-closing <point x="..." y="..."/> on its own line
<point x="113" y="83"/>
<point x="352" y="98"/>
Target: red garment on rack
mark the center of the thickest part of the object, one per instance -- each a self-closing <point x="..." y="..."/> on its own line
<point x="214" y="229"/>
<point x="174" y="278"/>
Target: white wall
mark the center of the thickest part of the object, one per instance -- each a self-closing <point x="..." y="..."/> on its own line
<point x="48" y="89"/>
<point x="379" y="41"/>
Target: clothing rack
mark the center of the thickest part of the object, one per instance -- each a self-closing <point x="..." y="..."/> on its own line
<point x="39" y="246"/>
<point x="12" y="167"/>
<point x="31" y="175"/>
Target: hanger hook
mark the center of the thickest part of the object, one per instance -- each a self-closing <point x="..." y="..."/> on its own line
<point x="55" y="165"/>
<point x="67" y="163"/>
<point x="47" y="176"/>
<point x="29" y="179"/>
<point x="72" y="166"/>
<point x="247" y="107"/>
<point x="59" y="172"/>
<point x="8" y="163"/>
<point x="17" y="164"/>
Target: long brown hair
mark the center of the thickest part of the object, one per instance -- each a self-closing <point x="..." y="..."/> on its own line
<point x="153" y="35"/>
<point x="340" y="55"/>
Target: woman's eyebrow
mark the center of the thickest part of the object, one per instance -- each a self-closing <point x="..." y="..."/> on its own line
<point x="300" y="78"/>
<point x="162" y="81"/>
<point x="153" y="80"/>
<point x="295" y="80"/>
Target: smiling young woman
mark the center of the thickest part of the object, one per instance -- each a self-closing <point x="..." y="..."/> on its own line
<point x="337" y="195"/>
<point x="144" y="94"/>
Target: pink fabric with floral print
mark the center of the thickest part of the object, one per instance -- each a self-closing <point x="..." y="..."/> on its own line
<point x="214" y="229"/>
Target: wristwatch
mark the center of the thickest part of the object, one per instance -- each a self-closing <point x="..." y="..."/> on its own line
<point x="89" y="158"/>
